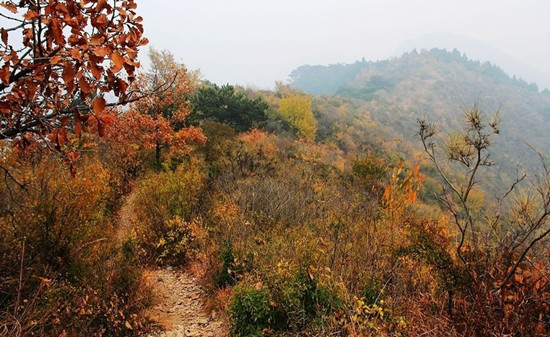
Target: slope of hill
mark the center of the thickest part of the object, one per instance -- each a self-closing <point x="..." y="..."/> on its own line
<point x="477" y="50"/>
<point x="438" y="85"/>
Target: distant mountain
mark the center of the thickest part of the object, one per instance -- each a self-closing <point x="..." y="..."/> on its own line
<point x="437" y="85"/>
<point x="319" y="79"/>
<point x="479" y="51"/>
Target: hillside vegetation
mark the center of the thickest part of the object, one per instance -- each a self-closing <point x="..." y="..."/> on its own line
<point x="436" y="85"/>
<point x="300" y="215"/>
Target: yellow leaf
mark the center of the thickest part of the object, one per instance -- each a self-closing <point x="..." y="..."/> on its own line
<point x="127" y="325"/>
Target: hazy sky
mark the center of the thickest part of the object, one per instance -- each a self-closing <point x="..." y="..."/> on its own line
<point x="256" y="42"/>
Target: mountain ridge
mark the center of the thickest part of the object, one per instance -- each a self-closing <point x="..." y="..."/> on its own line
<point x="478" y="51"/>
<point x="438" y="85"/>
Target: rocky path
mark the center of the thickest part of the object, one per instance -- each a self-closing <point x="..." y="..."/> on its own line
<point x="179" y="306"/>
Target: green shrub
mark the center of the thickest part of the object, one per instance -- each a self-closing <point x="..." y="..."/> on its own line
<point x="226" y="275"/>
<point x="250" y="311"/>
<point x="305" y="299"/>
<point x="372" y="291"/>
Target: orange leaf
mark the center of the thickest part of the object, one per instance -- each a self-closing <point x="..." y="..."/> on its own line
<point x="61" y="137"/>
<point x="99" y="105"/>
<point x="518" y="278"/>
<point x="118" y="61"/>
<point x="143" y="42"/>
<point x="100" y="128"/>
<point x="127" y="325"/>
<point x="132" y="53"/>
<point x="101" y="20"/>
<point x="75" y="53"/>
<point x="31" y="15"/>
<point x="56" y="59"/>
<point x="73" y="156"/>
<point x="11" y="7"/>
<point x="108" y="119"/>
<point x="102" y="51"/>
<point x="96" y="71"/>
<point x="95" y="41"/>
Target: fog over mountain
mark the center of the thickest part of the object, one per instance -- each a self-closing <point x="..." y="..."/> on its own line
<point x="477" y="50"/>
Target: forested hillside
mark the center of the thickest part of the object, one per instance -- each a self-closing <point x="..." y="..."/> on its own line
<point x="438" y="85"/>
<point x="132" y="195"/>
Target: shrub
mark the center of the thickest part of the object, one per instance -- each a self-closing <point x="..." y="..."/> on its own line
<point x="305" y="299"/>
<point x="302" y="300"/>
<point x="250" y="311"/>
<point x="55" y="231"/>
<point x="165" y="204"/>
<point x="226" y="275"/>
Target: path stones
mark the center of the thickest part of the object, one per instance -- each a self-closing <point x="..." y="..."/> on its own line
<point x="181" y="308"/>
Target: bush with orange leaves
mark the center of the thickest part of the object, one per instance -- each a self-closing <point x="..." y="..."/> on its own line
<point x="56" y="233"/>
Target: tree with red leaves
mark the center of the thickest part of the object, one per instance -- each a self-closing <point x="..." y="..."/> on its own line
<point x="58" y="58"/>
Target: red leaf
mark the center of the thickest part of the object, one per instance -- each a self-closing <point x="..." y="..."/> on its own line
<point x="5" y="74"/>
<point x="4" y="34"/>
<point x="57" y="32"/>
<point x="96" y="71"/>
<point x="84" y="86"/>
<point x="102" y="4"/>
<point x="100" y="128"/>
<point x="99" y="105"/>
<point x="122" y="85"/>
<point x="68" y="76"/>
<point x="78" y="127"/>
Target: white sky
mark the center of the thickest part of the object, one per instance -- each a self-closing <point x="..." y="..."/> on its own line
<point x="256" y="42"/>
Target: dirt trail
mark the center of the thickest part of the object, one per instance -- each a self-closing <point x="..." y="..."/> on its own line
<point x="180" y="309"/>
<point x="179" y="306"/>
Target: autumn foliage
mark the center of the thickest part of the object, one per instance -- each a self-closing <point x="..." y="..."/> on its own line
<point x="58" y="59"/>
<point x="294" y="216"/>
<point x="158" y="122"/>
